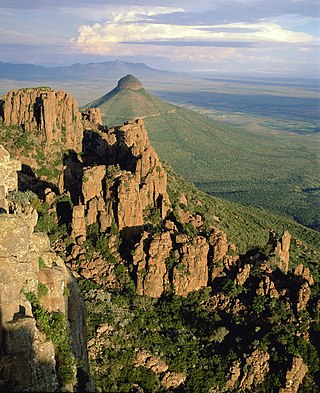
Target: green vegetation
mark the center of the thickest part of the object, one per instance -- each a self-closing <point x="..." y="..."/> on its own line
<point x="98" y="242"/>
<point x="193" y="338"/>
<point x="23" y="198"/>
<point x="42" y="289"/>
<point x="276" y="171"/>
<point x="245" y="226"/>
<point x="41" y="263"/>
<point x="55" y="327"/>
<point x="19" y="143"/>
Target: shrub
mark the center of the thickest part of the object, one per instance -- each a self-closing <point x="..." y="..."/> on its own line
<point x="42" y="289"/>
<point x="55" y="327"/>
<point x="41" y="263"/>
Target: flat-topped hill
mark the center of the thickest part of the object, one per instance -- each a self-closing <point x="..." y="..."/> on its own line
<point x="129" y="82"/>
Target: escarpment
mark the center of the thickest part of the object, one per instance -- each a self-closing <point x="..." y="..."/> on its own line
<point x="39" y="301"/>
<point x="173" y="300"/>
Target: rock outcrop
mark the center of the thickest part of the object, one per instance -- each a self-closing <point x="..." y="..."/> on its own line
<point x="257" y="368"/>
<point x="53" y="114"/>
<point x="281" y="249"/>
<point x="129" y="82"/>
<point x="251" y="375"/>
<point x="168" y="379"/>
<point x="295" y="375"/>
<point x="190" y="273"/>
<point x="128" y="181"/>
<point x="8" y="176"/>
<point x="28" y="359"/>
<point x="150" y="257"/>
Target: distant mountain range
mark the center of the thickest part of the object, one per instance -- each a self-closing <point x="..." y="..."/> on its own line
<point x="78" y="72"/>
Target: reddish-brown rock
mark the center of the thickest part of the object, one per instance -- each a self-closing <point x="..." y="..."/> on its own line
<point x="150" y="256"/>
<point x="78" y="222"/>
<point x="282" y="251"/>
<point x="54" y="113"/>
<point x="267" y="288"/>
<point x="131" y="182"/>
<point x="304" y="295"/>
<point x="191" y="271"/>
<point x="92" y="116"/>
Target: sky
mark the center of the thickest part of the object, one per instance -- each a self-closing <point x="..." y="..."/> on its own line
<point x="238" y="37"/>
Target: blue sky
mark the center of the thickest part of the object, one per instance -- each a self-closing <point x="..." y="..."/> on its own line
<point x="270" y="37"/>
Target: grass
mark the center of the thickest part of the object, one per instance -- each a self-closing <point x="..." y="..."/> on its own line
<point x="271" y="171"/>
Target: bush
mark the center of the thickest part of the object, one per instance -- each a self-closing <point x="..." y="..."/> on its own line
<point x="55" y="327"/>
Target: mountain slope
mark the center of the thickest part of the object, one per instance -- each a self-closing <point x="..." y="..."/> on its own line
<point x="184" y="292"/>
<point x="117" y="104"/>
<point x="266" y="171"/>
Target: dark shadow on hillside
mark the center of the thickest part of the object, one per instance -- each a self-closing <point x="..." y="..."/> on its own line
<point x="2" y="109"/>
<point x="73" y="170"/>
<point x="19" y="369"/>
<point x="27" y="180"/>
<point x="97" y="150"/>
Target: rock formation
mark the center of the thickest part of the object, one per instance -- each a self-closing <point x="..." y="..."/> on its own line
<point x="257" y="368"/>
<point x="8" y="176"/>
<point x="129" y="180"/>
<point x="129" y="82"/>
<point x="168" y="379"/>
<point x="294" y="376"/>
<point x="53" y="114"/>
<point x="122" y="232"/>
<point x="28" y="360"/>
<point x="281" y="249"/>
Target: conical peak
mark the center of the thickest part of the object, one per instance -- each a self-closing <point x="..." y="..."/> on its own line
<point x="129" y="82"/>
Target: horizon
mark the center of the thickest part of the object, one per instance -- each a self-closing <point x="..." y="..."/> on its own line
<point x="240" y="38"/>
<point x="203" y="74"/>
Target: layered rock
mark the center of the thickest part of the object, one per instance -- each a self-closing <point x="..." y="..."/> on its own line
<point x="29" y="266"/>
<point x="54" y="114"/>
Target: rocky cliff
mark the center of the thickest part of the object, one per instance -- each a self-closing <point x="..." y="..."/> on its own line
<point x="39" y="302"/>
<point x="40" y="127"/>
<point x="172" y="302"/>
<point x="54" y="114"/>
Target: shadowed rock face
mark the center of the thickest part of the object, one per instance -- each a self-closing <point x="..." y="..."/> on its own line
<point x="129" y="82"/>
<point x="27" y="355"/>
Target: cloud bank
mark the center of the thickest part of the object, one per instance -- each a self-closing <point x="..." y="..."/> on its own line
<point x="141" y="31"/>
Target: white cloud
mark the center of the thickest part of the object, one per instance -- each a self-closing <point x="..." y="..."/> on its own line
<point x="137" y="25"/>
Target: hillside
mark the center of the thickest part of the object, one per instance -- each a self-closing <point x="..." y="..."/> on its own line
<point x="273" y="171"/>
<point x="117" y="105"/>
<point x="183" y="291"/>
